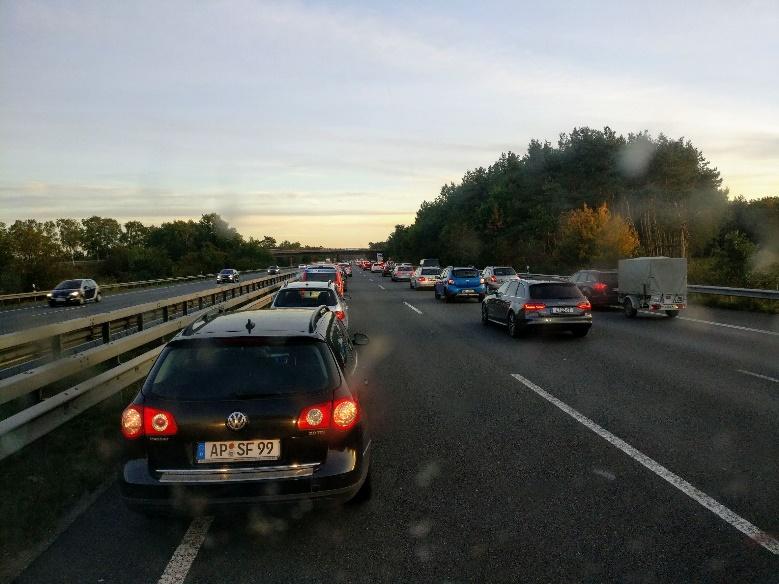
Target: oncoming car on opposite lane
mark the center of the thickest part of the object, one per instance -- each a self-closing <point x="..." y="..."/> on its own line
<point x="522" y="305"/>
<point x="248" y="407"/>
<point x="78" y="291"/>
<point x="228" y="275"/>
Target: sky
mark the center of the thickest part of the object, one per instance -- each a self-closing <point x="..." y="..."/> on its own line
<point x="330" y="122"/>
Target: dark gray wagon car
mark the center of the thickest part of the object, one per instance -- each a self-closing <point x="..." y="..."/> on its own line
<point x="522" y="305"/>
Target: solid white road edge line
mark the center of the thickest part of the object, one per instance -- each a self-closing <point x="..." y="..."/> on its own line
<point x="744" y="526"/>
<point x="745" y="372"/>
<point x="733" y="326"/>
<point x="414" y="308"/>
<point x="178" y="567"/>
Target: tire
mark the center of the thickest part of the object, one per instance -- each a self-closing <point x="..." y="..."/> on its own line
<point x="485" y="320"/>
<point x="365" y="492"/>
<point x="580" y="331"/>
<point x="672" y="313"/>
<point x="630" y="312"/>
<point x="52" y="304"/>
<point x="437" y="295"/>
<point x="512" y="327"/>
<point x="98" y="297"/>
<point x="447" y="298"/>
<point x="481" y="297"/>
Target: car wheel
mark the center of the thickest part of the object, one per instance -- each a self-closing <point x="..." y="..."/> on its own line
<point x="365" y="492"/>
<point x="98" y="297"/>
<point x="447" y="298"/>
<point x="52" y="304"/>
<point x="481" y="297"/>
<point x="437" y="295"/>
<point x="630" y="312"/>
<point x="410" y="285"/>
<point x="672" y="313"/>
<point x="513" y="329"/>
<point x="485" y="319"/>
<point x="580" y="331"/>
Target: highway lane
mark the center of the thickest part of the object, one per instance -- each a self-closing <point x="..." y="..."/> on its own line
<point x="29" y="316"/>
<point x="478" y="478"/>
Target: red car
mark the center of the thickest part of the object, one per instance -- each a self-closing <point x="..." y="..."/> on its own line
<point x="325" y="274"/>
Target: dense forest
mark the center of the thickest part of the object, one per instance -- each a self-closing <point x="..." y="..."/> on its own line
<point x="594" y="198"/>
<point x="44" y="252"/>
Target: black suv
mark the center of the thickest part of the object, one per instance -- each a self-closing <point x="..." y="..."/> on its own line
<point x="599" y="286"/>
<point x="249" y="407"/>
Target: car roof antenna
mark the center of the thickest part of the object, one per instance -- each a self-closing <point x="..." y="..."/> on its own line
<point x="250" y="325"/>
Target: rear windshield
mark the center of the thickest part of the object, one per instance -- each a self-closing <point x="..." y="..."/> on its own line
<point x="465" y="273"/>
<point x="608" y="278"/>
<point x="241" y="369"/>
<point x="305" y="298"/>
<point x="405" y="269"/>
<point x="549" y="291"/>
<point x="431" y="272"/>
<point x="320" y="276"/>
<point x="504" y="272"/>
<point x="68" y="284"/>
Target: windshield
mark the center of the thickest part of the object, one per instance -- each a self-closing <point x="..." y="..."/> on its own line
<point x="70" y="284"/>
<point x="305" y="298"/>
<point x="465" y="273"/>
<point x="504" y="272"/>
<point x="550" y="291"/>
<point x="240" y="369"/>
<point x="226" y="272"/>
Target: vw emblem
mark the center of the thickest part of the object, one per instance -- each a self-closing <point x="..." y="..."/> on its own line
<point x="237" y="420"/>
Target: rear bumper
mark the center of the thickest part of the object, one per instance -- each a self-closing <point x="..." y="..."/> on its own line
<point x="336" y="480"/>
<point x="562" y="322"/>
<point x="419" y="284"/>
<point x="453" y="291"/>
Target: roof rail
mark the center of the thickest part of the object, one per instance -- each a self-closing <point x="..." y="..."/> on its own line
<point x="316" y="316"/>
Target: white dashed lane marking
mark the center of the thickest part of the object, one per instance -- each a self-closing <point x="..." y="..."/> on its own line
<point x="758" y="375"/>
<point x="178" y="567"/>
<point x="744" y="526"/>
<point x="414" y="308"/>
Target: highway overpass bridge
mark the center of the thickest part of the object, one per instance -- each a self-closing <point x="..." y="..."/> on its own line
<point x="334" y="253"/>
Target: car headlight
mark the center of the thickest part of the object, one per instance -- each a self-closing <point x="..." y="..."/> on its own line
<point x="75" y="293"/>
<point x="48" y="295"/>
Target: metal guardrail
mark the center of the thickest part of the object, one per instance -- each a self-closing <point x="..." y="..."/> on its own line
<point x="35" y="296"/>
<point x="742" y="292"/>
<point x="33" y="422"/>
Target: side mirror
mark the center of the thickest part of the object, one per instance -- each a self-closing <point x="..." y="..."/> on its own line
<point x="360" y="339"/>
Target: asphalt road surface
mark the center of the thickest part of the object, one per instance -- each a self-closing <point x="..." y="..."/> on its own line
<point x="645" y="452"/>
<point x="40" y="313"/>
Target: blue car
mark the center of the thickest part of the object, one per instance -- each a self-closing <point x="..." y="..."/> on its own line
<point x="460" y="283"/>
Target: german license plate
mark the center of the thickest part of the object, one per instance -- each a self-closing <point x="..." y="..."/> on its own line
<point x="466" y="291"/>
<point x="563" y="310"/>
<point x="238" y="451"/>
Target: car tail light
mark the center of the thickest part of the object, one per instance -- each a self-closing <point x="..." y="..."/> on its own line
<point x="158" y="422"/>
<point x="532" y="306"/>
<point x="657" y="306"/>
<point x="315" y="417"/>
<point x="600" y="286"/>
<point x="450" y="281"/>
<point x="132" y="422"/>
<point x="481" y="280"/>
<point x="345" y="413"/>
<point x="493" y="279"/>
<point x="421" y="279"/>
<point x="340" y="314"/>
<point x="585" y="305"/>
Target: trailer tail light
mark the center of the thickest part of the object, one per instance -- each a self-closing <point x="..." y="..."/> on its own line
<point x="585" y="305"/>
<point x="600" y="286"/>
<point x="315" y="417"/>
<point x="533" y="306"/>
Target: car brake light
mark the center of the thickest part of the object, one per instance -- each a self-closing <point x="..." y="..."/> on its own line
<point x="600" y="287"/>
<point x="481" y="280"/>
<point x="420" y="279"/>
<point x="493" y="279"/>
<point x="132" y="422"/>
<point x="158" y="422"/>
<point x="585" y="305"/>
<point x="450" y="281"/>
<point x="315" y="417"/>
<point x="345" y="413"/>
<point x="531" y="306"/>
<point x="340" y="314"/>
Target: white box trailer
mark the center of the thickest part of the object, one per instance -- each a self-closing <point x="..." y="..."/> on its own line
<point x="657" y="284"/>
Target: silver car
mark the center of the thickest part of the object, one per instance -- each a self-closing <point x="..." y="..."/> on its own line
<point x="228" y="275"/>
<point x="312" y="295"/>
<point x="402" y="272"/>
<point x="425" y="278"/>
<point x="521" y="305"/>
<point x="495" y="276"/>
